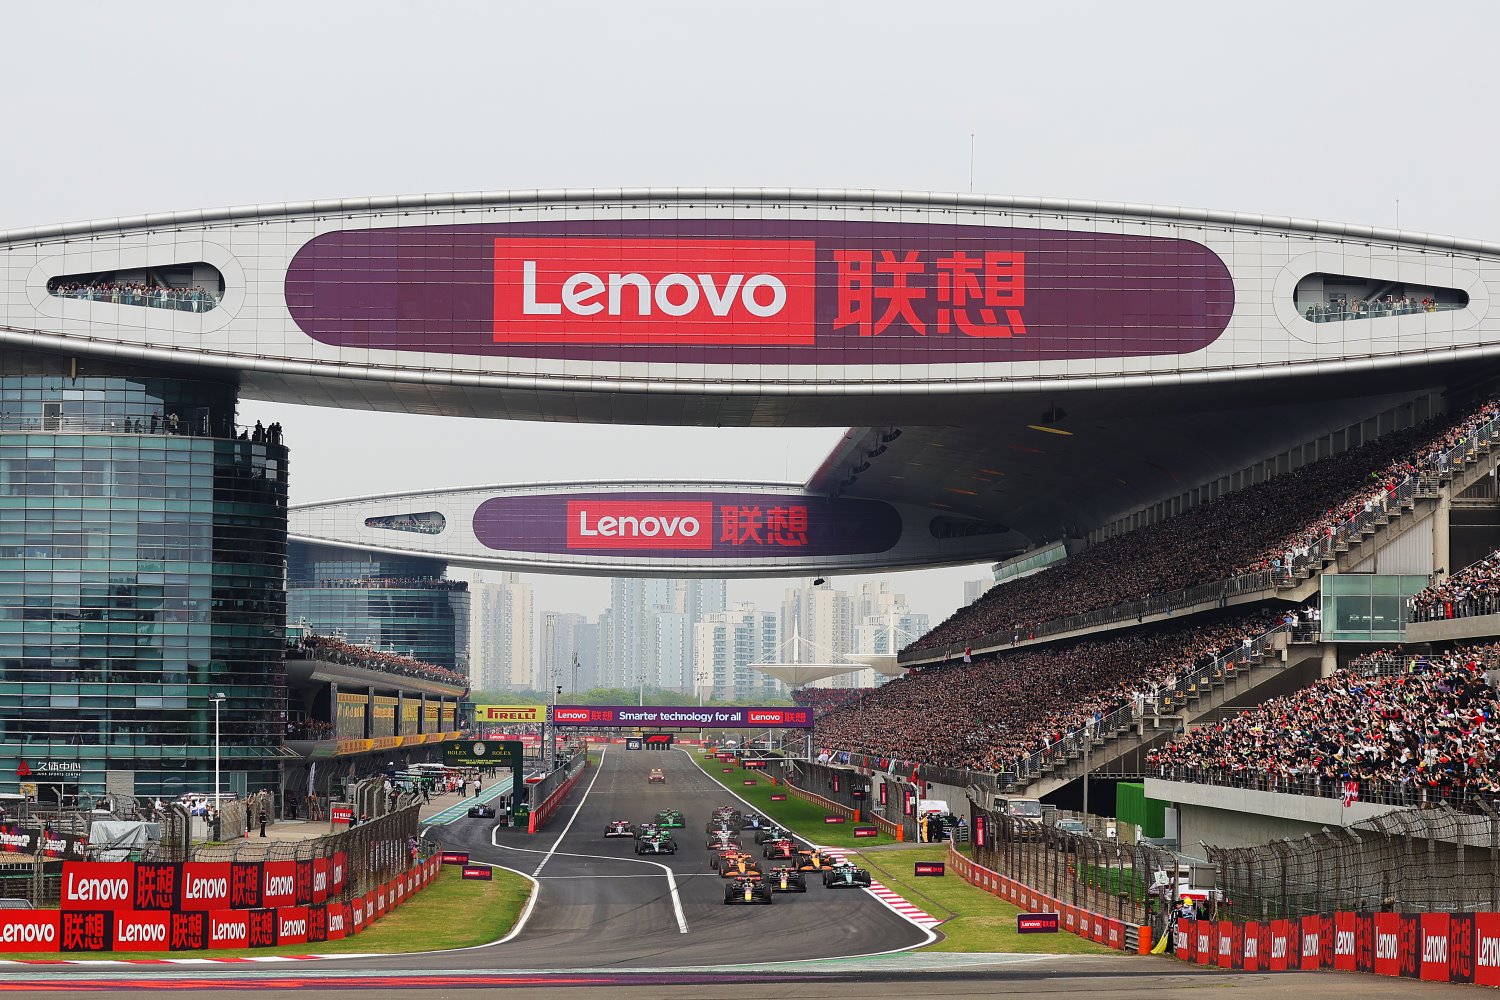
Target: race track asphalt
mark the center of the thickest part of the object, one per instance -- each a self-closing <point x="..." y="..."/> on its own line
<point x="605" y="919"/>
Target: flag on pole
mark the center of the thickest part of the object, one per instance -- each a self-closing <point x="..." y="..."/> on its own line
<point x="968" y="654"/>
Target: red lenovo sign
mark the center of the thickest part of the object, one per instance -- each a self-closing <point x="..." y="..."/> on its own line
<point x="635" y="524"/>
<point x="593" y="291"/>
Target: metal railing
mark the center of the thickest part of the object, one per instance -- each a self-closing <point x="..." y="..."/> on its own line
<point x="193" y="300"/>
<point x="1322" y="786"/>
<point x="1339" y="310"/>
<point x="1307" y="559"/>
<point x="193" y="426"/>
<point x="1165" y="698"/>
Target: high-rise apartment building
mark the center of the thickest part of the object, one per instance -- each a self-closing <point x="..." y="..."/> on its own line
<point x="501" y="649"/>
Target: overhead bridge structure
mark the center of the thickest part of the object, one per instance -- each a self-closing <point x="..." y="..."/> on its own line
<point x="1012" y="370"/>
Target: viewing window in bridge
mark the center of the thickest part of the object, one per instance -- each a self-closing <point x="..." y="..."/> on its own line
<point x="428" y="522"/>
<point x="1334" y="298"/>
<point x="195" y="287"/>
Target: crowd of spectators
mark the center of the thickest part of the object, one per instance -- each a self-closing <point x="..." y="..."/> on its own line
<point x="309" y="729"/>
<point x="1423" y="732"/>
<point x="389" y="583"/>
<point x="336" y="650"/>
<point x="138" y="293"/>
<point x="1275" y="525"/>
<point x="992" y="713"/>
<point x="1473" y="590"/>
<point x="1341" y="307"/>
<point x="825" y="700"/>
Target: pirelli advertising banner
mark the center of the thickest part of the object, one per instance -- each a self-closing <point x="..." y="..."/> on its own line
<point x="689" y="716"/>
<point x="509" y="714"/>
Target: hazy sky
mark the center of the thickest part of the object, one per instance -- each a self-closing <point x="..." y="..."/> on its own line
<point x="1315" y="110"/>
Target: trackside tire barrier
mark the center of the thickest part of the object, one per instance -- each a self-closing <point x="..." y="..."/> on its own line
<point x="1086" y="924"/>
<point x="550" y="804"/>
<point x="141" y="906"/>
<point x="1437" y="947"/>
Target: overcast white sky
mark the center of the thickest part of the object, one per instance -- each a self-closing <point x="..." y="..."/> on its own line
<point x="1319" y="110"/>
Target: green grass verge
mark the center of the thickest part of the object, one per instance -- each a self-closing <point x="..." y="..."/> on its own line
<point x="973" y="919"/>
<point x="798" y="814"/>
<point x="450" y="913"/>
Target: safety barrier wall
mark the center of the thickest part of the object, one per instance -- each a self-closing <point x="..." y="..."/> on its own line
<point x="1438" y="947"/>
<point x="1074" y="919"/>
<point x="189" y="906"/>
<point x="866" y="815"/>
<point x="549" y="805"/>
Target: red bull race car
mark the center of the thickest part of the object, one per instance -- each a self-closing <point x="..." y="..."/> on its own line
<point x="749" y="888"/>
<point x="786" y="879"/>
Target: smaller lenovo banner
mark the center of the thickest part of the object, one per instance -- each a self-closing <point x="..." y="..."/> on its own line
<point x="481" y="873"/>
<point x="930" y="868"/>
<point x="455" y="857"/>
<point x="866" y="831"/>
<point x="754" y="765"/>
<point x="778" y="796"/>
<point x="1036" y="923"/>
<point x="693" y="716"/>
<point x="749" y="781"/>
<point x="834" y="819"/>
<point x="98" y="885"/>
<point x="28" y="930"/>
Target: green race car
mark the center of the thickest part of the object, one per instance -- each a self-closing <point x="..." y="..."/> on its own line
<point x="670" y="818"/>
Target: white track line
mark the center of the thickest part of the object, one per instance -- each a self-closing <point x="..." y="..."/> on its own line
<point x="536" y="873"/>
<point x="920" y="925"/>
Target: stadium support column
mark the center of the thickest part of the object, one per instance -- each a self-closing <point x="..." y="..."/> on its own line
<point x="1330" y="663"/>
<point x="1441" y="523"/>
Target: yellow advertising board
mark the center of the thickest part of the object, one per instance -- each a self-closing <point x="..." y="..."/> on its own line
<point x="510" y="713"/>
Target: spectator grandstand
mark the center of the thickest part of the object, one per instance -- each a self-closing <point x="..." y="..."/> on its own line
<point x="138" y="293"/>
<point x="1281" y="526"/>
<point x="335" y="650"/>
<point x="825" y="700"/>
<point x="1392" y="727"/>
<point x="1473" y="590"/>
<point x="996" y="712"/>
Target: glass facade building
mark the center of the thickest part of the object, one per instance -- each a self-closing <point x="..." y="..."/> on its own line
<point x="396" y="603"/>
<point x="142" y="569"/>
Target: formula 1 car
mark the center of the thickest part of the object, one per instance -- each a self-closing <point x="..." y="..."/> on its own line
<point x="723" y="858"/>
<point x="619" y="828"/>
<point x="647" y="828"/>
<point x="769" y="832"/>
<point x="783" y="848"/>
<point x="748" y="889"/>
<point x="482" y="810"/>
<point x="659" y="843"/>
<point x="753" y="821"/>
<point x="727" y="814"/>
<point x="845" y="873"/>
<point x="670" y="818"/>
<point x="720" y="839"/>
<point x="744" y="864"/>
<point x="811" y="861"/>
<point x="656" y="776"/>
<point x="787" y="880"/>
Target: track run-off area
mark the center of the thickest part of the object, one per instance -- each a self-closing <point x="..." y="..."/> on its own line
<point x="599" y="916"/>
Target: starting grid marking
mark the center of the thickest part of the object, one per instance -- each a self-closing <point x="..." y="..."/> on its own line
<point x="895" y="900"/>
<point x="460" y="809"/>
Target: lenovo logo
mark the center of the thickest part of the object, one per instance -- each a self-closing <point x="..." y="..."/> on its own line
<point x="1385" y="946"/>
<point x="640" y="524"/>
<point x="660" y="291"/>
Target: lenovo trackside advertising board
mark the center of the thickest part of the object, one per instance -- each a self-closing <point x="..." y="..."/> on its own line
<point x="688" y="716"/>
<point x="692" y="525"/>
<point x="759" y="291"/>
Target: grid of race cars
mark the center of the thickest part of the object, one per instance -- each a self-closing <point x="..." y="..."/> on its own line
<point x="782" y="866"/>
